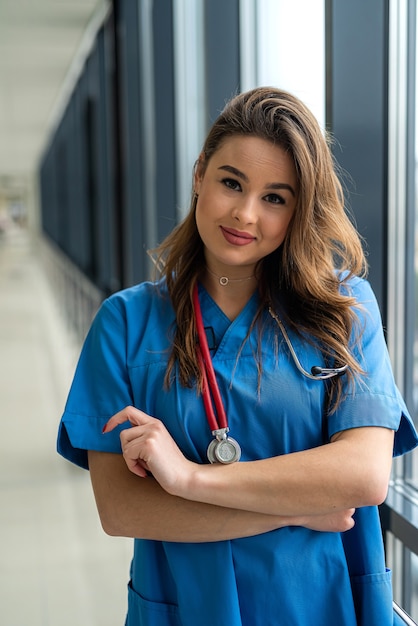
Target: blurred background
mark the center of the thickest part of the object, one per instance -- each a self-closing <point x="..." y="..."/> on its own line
<point x="103" y="109"/>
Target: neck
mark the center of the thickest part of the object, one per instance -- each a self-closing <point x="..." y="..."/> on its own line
<point x="224" y="280"/>
<point x="231" y="294"/>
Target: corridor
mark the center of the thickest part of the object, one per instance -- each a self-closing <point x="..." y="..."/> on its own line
<point x="57" y="566"/>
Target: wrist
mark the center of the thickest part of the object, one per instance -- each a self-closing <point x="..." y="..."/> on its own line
<point x="189" y="485"/>
<point x="181" y="486"/>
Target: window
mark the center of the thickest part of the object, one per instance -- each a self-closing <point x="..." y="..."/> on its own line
<point x="403" y="289"/>
<point x="412" y="466"/>
<point x="283" y="45"/>
<point x="189" y="93"/>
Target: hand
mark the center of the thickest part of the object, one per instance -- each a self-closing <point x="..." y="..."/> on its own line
<point x="148" y="446"/>
<point x="337" y="522"/>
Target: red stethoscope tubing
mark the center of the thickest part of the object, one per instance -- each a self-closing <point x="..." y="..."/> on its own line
<point x="210" y="384"/>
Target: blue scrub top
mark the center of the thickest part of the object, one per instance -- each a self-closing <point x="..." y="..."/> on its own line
<point x="289" y="576"/>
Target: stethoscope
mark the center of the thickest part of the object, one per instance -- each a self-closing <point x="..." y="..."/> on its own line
<point x="317" y="372"/>
<point x="223" y="448"/>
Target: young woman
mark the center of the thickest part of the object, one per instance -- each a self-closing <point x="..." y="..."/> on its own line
<point x="252" y="393"/>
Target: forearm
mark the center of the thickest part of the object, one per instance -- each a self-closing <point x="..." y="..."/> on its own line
<point x="350" y="472"/>
<point x="347" y="473"/>
<point x="130" y="506"/>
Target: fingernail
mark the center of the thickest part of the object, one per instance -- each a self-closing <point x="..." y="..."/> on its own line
<point x="104" y="428"/>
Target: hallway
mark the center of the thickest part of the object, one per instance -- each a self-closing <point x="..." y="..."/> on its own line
<point x="57" y="568"/>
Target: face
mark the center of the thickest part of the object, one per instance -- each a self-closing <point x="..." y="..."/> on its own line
<point x="247" y="196"/>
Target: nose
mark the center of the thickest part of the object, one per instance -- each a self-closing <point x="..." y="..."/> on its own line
<point x="245" y="210"/>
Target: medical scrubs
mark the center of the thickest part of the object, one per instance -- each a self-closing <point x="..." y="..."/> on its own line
<point x="291" y="576"/>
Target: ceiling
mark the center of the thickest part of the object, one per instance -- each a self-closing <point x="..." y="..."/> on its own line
<point x="40" y="41"/>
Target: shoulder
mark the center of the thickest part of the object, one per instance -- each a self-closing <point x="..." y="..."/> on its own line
<point x="353" y="285"/>
<point x="361" y="291"/>
<point x="130" y="314"/>
<point x="139" y="302"/>
<point x="144" y="294"/>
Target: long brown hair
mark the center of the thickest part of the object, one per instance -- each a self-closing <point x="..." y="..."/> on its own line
<point x="299" y="279"/>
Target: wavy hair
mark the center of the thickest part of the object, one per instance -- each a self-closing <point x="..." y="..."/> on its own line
<point x="322" y="250"/>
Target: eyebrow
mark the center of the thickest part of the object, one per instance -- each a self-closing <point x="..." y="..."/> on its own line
<point x="244" y="177"/>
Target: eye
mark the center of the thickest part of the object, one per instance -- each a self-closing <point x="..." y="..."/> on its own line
<point x="231" y="183"/>
<point x="274" y="198"/>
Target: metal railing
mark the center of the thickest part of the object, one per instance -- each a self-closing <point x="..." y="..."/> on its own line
<point x="401" y="617"/>
<point x="77" y="297"/>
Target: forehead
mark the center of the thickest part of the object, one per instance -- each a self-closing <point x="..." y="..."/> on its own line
<point x="254" y="153"/>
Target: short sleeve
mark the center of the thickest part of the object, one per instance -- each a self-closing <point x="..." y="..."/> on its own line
<point x="100" y="388"/>
<point x="375" y="399"/>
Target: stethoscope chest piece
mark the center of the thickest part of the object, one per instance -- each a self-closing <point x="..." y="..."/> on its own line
<point x="223" y="449"/>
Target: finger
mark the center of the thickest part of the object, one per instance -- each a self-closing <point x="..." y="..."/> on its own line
<point x="128" y="414"/>
<point x="137" y="467"/>
<point x="132" y="455"/>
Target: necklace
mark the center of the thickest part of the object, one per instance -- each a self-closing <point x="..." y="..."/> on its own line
<point x="224" y="280"/>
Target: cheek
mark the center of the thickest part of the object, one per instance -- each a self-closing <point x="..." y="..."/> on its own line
<point x="206" y="210"/>
<point x="201" y="219"/>
<point x="276" y="230"/>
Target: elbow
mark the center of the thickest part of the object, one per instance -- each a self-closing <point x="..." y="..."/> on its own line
<point x="370" y="475"/>
<point x="109" y="520"/>
<point x="109" y="528"/>
<point x="379" y="494"/>
<point x="376" y="497"/>
<point x="374" y="491"/>
<point x="109" y="523"/>
<point x="367" y="460"/>
<point x="114" y="525"/>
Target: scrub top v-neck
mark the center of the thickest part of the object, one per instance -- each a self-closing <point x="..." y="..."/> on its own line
<point x="288" y="576"/>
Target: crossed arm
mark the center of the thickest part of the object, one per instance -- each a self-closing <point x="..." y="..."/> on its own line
<point x="185" y="501"/>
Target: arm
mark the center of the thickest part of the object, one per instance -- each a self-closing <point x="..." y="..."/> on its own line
<point x="130" y="506"/>
<point x="350" y="472"/>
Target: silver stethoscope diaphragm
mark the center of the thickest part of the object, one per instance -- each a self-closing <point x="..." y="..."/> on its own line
<point x="223" y="449"/>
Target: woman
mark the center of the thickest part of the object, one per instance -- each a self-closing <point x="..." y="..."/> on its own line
<point x="262" y="279"/>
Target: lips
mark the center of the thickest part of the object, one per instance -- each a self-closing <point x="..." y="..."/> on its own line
<point x="237" y="237"/>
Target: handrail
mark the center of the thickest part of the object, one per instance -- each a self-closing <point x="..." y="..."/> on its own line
<point x="399" y="514"/>
<point x="76" y="295"/>
<point x="404" y="618"/>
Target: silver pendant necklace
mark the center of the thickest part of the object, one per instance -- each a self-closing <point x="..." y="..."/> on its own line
<point x="224" y="280"/>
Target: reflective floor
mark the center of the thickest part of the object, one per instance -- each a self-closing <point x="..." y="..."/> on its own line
<point x="57" y="567"/>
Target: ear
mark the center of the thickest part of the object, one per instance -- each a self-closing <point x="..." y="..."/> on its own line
<point x="199" y="170"/>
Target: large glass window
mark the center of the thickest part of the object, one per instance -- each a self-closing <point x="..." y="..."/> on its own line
<point x="190" y="99"/>
<point x="401" y="177"/>
<point x="284" y="46"/>
<point x="412" y="470"/>
<point x="403" y="214"/>
<point x="403" y="281"/>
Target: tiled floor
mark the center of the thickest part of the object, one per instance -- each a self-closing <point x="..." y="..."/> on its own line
<point x="57" y="567"/>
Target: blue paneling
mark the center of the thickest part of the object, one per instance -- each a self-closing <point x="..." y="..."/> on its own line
<point x="222" y="54"/>
<point x="357" y="91"/>
<point x="165" y="117"/>
<point x="129" y="101"/>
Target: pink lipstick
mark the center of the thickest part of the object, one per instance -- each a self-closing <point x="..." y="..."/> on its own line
<point x="237" y="237"/>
